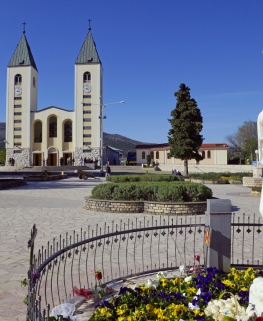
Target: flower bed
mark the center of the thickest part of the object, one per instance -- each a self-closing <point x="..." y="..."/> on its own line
<point x="181" y="298"/>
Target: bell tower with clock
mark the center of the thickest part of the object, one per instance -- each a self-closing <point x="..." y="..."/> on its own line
<point x="22" y="81"/>
<point x="88" y="100"/>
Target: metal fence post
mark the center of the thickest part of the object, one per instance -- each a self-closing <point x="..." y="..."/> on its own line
<point x="218" y="218"/>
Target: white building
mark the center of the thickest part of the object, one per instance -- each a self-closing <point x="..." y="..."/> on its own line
<point x="34" y="135"/>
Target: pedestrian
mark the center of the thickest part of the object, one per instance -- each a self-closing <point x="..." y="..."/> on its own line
<point x="12" y="161"/>
<point x="43" y="162"/>
<point x="47" y="162"/>
<point x="107" y="170"/>
<point x="85" y="161"/>
<point x="68" y="161"/>
<point x="61" y="161"/>
<point x="81" y="161"/>
<point x="73" y="161"/>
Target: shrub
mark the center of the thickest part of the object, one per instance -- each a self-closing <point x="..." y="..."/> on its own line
<point x="158" y="191"/>
<point x="148" y="159"/>
<point x="145" y="178"/>
<point x="218" y="176"/>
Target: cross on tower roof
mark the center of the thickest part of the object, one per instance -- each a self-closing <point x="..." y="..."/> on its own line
<point x="89" y="24"/>
<point x="24" y="27"/>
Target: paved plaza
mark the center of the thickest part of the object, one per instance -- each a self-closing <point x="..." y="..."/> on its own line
<point x="57" y="207"/>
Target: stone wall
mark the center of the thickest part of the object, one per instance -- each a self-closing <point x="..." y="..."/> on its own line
<point x="82" y="152"/>
<point x="144" y="207"/>
<point x="254" y="183"/>
<point x="21" y="156"/>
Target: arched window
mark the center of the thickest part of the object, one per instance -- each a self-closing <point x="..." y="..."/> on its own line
<point x="203" y="154"/>
<point x="68" y="131"/>
<point x="208" y="154"/>
<point x="18" y="79"/>
<point x="53" y="126"/>
<point x="38" y="132"/>
<point x="152" y="156"/>
<point x="86" y="77"/>
<point x="143" y="155"/>
<point x="157" y="155"/>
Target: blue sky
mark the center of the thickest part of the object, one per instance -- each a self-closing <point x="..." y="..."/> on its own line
<point x="147" y="49"/>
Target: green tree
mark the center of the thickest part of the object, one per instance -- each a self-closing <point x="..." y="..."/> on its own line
<point x="148" y="159"/>
<point x="2" y="155"/>
<point x="184" y="137"/>
<point x="244" y="142"/>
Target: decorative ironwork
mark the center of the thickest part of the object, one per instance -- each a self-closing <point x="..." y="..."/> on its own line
<point x="147" y="246"/>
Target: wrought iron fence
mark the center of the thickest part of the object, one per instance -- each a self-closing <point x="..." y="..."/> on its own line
<point x="124" y="250"/>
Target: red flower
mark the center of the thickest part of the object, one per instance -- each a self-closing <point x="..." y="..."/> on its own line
<point x="88" y="294"/>
<point x="98" y="275"/>
<point x="197" y="258"/>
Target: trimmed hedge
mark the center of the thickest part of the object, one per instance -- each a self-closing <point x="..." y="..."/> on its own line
<point x="158" y="192"/>
<point x="145" y="178"/>
<point x="217" y="176"/>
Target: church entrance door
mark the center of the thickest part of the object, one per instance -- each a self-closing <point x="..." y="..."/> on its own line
<point x="65" y="158"/>
<point x="52" y="158"/>
<point x="37" y="157"/>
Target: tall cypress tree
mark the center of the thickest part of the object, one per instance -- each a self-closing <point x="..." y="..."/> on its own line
<point x="184" y="137"/>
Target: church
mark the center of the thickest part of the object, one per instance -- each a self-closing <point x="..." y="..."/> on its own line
<point x="48" y="136"/>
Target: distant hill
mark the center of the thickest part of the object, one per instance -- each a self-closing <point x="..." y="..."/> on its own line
<point x="113" y="140"/>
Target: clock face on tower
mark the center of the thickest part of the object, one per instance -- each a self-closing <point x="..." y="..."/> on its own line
<point x="18" y="91"/>
<point x="87" y="89"/>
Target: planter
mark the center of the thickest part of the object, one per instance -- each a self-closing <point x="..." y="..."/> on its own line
<point x="40" y="178"/>
<point x="11" y="183"/>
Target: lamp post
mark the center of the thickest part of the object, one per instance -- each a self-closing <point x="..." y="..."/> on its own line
<point x="101" y="117"/>
<point x="256" y="152"/>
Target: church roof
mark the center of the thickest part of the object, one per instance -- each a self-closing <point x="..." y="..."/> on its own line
<point x="22" y="55"/>
<point x="88" y="52"/>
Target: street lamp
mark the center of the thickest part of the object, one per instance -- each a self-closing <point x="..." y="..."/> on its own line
<point x="101" y="117"/>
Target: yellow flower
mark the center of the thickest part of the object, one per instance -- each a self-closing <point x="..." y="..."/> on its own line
<point x="164" y="282"/>
<point x="176" y="281"/>
<point x="149" y="307"/>
<point x="122" y="309"/>
<point x="191" y="290"/>
<point x="243" y="289"/>
<point x="105" y="312"/>
<point x="229" y="283"/>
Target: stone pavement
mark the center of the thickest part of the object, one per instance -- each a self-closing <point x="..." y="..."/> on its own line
<point x="57" y="207"/>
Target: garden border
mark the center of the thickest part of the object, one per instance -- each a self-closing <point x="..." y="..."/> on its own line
<point x="148" y="207"/>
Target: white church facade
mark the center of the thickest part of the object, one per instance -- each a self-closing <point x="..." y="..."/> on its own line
<point x="35" y="137"/>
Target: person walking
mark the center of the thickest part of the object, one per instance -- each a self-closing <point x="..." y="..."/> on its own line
<point x="107" y="168"/>
<point x="81" y="161"/>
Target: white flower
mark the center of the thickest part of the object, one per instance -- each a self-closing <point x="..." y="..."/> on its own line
<point x="188" y="278"/>
<point x="151" y="284"/>
<point x="181" y="269"/>
<point x="198" y="292"/>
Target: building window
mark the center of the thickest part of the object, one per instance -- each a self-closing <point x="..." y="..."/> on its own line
<point x="86" y="127"/>
<point x="17" y="151"/>
<point x="86" y="96"/>
<point x="203" y="154"/>
<point x="86" y="135"/>
<point x="17" y="121"/>
<point x="87" y="143"/>
<point x="18" y="79"/>
<point x="17" y="136"/>
<point x="86" y="119"/>
<point x="38" y="132"/>
<point x="34" y="82"/>
<point x="86" y="104"/>
<point x="53" y="126"/>
<point x="68" y="131"/>
<point x="18" y="144"/>
<point x="152" y="156"/>
<point x="16" y="129"/>
<point x="208" y="154"/>
<point x="17" y="106"/>
<point x="143" y="155"/>
<point x="86" y="111"/>
<point x="17" y="98"/>
<point x="157" y="155"/>
<point x="17" y="113"/>
<point x="86" y="77"/>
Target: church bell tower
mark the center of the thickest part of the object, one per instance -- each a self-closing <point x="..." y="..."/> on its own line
<point x="22" y="83"/>
<point x="88" y="100"/>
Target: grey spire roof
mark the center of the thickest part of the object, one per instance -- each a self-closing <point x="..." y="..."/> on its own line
<point x="22" y="55"/>
<point x="88" y="52"/>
